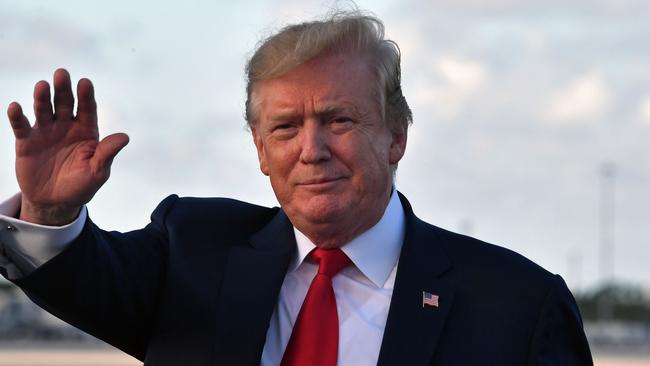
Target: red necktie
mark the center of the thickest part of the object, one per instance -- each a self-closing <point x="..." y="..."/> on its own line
<point x="315" y="337"/>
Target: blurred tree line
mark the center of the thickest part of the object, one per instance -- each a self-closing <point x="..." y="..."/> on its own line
<point x="615" y="301"/>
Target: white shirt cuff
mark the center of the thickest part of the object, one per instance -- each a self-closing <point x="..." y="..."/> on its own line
<point x="25" y="246"/>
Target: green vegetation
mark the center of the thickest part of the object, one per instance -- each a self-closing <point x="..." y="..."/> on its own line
<point x="615" y="302"/>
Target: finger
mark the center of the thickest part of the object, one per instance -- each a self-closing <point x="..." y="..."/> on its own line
<point x="19" y="123"/>
<point x="108" y="148"/>
<point x="63" y="98"/>
<point x="43" y="103"/>
<point x="86" y="105"/>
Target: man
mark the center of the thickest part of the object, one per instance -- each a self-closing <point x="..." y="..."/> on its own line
<point x="343" y="273"/>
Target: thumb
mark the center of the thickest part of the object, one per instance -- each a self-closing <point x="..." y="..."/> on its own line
<point x="108" y="148"/>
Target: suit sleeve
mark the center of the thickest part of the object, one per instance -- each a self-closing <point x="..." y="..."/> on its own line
<point x="107" y="283"/>
<point x="559" y="338"/>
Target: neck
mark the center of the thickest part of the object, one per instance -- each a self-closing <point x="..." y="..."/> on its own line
<point x="342" y="230"/>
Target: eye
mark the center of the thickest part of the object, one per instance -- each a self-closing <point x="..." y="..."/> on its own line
<point x="341" y="124"/>
<point x="284" y="130"/>
<point x="341" y="119"/>
<point x="283" y="126"/>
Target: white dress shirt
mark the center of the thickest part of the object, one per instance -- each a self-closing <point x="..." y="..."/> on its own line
<point x="25" y="246"/>
<point x="363" y="290"/>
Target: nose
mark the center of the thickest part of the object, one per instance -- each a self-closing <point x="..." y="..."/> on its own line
<point x="315" y="147"/>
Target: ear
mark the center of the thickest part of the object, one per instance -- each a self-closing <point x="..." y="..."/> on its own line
<point x="397" y="146"/>
<point x="261" y="154"/>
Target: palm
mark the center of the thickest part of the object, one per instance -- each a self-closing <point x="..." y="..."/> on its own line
<point x="54" y="164"/>
<point x="60" y="163"/>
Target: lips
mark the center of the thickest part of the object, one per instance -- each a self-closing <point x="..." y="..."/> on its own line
<point x="321" y="185"/>
<point x="314" y="181"/>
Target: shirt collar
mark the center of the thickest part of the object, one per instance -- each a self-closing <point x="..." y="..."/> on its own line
<point x="375" y="252"/>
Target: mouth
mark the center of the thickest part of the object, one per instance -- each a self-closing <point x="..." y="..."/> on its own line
<point x="320" y="183"/>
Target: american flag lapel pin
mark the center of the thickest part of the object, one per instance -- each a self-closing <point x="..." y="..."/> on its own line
<point x="429" y="299"/>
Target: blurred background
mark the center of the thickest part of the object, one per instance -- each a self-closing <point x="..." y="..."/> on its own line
<point x="531" y="130"/>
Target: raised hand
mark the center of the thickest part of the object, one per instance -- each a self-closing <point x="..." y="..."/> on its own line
<point x="60" y="162"/>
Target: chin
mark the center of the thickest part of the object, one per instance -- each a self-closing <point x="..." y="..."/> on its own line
<point x="323" y="210"/>
<point x="323" y="216"/>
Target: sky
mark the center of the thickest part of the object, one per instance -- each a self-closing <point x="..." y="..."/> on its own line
<point x="517" y="105"/>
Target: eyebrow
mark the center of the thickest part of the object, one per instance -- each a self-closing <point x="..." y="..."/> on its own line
<point x="284" y="115"/>
<point x="327" y="110"/>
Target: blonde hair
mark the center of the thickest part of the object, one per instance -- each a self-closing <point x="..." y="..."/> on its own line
<point x="341" y="32"/>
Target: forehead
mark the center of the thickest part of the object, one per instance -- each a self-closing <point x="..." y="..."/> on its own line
<point x="330" y="79"/>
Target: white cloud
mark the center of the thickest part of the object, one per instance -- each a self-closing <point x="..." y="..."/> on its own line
<point x="535" y="39"/>
<point x="457" y="80"/>
<point x="644" y="109"/>
<point x="518" y="7"/>
<point x="585" y="98"/>
<point x="465" y="76"/>
<point x="35" y="42"/>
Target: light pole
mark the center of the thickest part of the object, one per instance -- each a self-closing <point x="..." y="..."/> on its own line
<point x="606" y="236"/>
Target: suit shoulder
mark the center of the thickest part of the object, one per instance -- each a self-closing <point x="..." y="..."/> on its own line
<point x="473" y="255"/>
<point x="474" y="258"/>
<point x="221" y="205"/>
<point x="223" y="212"/>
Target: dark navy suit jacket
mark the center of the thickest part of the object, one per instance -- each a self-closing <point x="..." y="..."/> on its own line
<point x="198" y="286"/>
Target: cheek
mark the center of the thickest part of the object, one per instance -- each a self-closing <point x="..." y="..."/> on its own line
<point x="378" y="154"/>
<point x="281" y="159"/>
<point x="377" y="165"/>
<point x="277" y="155"/>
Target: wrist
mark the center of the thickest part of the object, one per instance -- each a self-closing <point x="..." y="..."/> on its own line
<point x="49" y="215"/>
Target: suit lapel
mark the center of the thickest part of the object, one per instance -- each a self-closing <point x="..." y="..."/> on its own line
<point x="413" y="328"/>
<point x="252" y="279"/>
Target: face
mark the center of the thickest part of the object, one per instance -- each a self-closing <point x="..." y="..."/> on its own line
<point x="321" y="140"/>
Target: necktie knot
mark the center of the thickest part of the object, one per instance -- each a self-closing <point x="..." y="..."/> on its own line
<point x="330" y="261"/>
